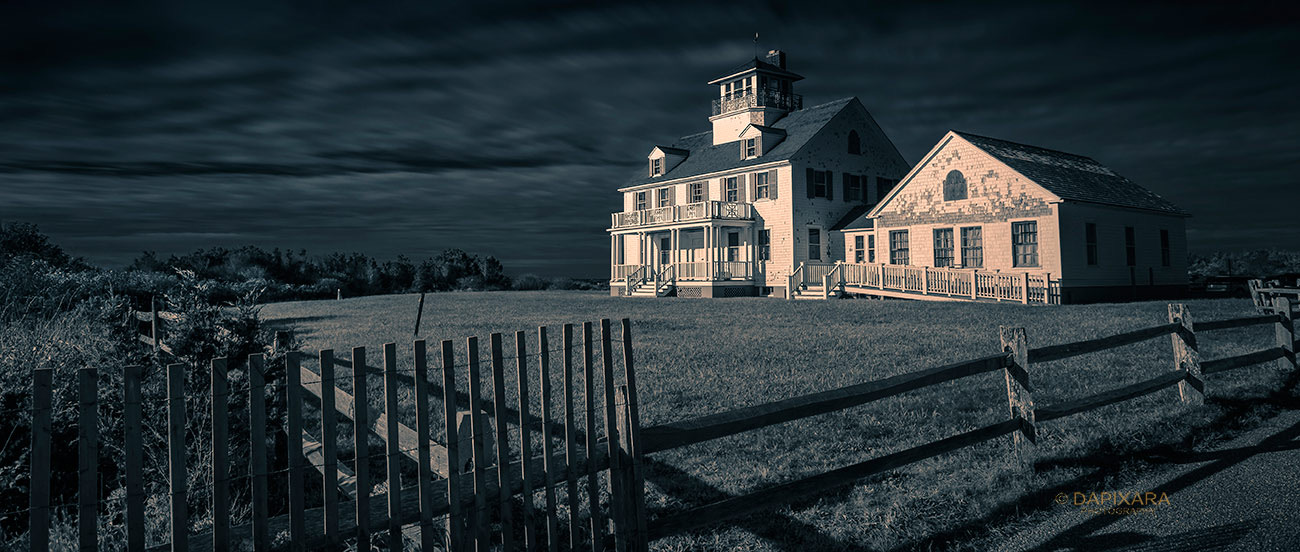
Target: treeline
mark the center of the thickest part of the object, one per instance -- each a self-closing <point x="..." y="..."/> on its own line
<point x="1258" y="263"/>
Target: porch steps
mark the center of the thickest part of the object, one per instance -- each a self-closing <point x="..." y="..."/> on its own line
<point x="812" y="293"/>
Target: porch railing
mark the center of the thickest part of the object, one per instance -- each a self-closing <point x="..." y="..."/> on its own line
<point x="621" y="272"/>
<point x="693" y="270"/>
<point x="733" y="270"/>
<point x="666" y="278"/>
<point x="1023" y="287"/>
<point x="704" y="210"/>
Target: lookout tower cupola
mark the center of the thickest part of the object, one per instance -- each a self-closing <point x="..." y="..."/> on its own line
<point x="758" y="92"/>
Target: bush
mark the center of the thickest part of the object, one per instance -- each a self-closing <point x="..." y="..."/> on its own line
<point x="528" y="282"/>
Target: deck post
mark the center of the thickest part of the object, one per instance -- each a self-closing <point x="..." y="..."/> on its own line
<point x="1024" y="288"/>
<point x="1285" y="330"/>
<point x="925" y="280"/>
<point x="1019" y="397"/>
<point x="1186" y="356"/>
<point x="974" y="284"/>
<point x="826" y="286"/>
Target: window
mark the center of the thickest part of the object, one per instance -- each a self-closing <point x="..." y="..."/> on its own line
<point x="733" y="246"/>
<point x="731" y="189"/>
<point x="1165" y="257"/>
<point x="954" y="186"/>
<point x="943" y="247"/>
<point x="656" y="166"/>
<point x="751" y="148"/>
<point x="898" y="247"/>
<point x="814" y="244"/>
<point x="855" y="143"/>
<point x="641" y="201"/>
<point x="665" y="251"/>
<point x="1090" y="237"/>
<point x="696" y="191"/>
<point x="972" y="247"/>
<point x="883" y="186"/>
<point x="762" y="190"/>
<point x="859" y="250"/>
<point x="853" y="187"/>
<point x="664" y="197"/>
<point x="1130" y="246"/>
<point x="1024" y="243"/>
<point x="871" y="248"/>
<point x="820" y="185"/>
<point x="764" y="245"/>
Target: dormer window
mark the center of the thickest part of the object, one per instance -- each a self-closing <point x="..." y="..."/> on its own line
<point x="657" y="166"/>
<point x="750" y="146"/>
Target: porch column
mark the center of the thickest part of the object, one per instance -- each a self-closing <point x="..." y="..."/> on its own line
<point x="753" y="252"/>
<point x="613" y="255"/>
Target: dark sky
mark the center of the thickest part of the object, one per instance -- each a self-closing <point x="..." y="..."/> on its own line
<point x="505" y="129"/>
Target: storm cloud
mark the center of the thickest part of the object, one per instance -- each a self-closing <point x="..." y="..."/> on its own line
<point x="505" y="129"/>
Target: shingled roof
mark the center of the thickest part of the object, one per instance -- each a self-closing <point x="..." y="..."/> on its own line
<point x="1071" y="177"/>
<point x="705" y="158"/>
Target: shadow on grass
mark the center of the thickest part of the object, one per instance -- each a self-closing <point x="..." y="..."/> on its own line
<point x="1235" y="414"/>
<point x="780" y="530"/>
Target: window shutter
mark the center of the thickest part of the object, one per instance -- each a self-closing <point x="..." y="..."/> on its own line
<point x="811" y="192"/>
<point x="771" y="184"/>
<point x="830" y="184"/>
<point x="844" y="180"/>
<point x="740" y="188"/>
<point x="704" y="190"/>
<point x="672" y="195"/>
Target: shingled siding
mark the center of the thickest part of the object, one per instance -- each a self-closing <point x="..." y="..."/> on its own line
<point x="829" y="151"/>
<point x="996" y="197"/>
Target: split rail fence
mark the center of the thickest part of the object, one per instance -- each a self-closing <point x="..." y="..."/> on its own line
<point x="466" y="498"/>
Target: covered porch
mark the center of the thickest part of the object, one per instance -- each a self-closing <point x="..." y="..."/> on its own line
<point x="718" y="258"/>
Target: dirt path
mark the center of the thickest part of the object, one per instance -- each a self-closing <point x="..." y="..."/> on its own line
<point x="1241" y="495"/>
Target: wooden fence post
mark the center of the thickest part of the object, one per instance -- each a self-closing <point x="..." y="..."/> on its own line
<point x="220" y="456"/>
<point x="479" y="520"/>
<point x="39" y="501"/>
<point x="525" y="442"/>
<point x="329" y="447"/>
<point x="593" y="483"/>
<point x="451" y="419"/>
<point x="257" y="449"/>
<point x="616" y="491"/>
<point x="133" y="430"/>
<point x="176" y="457"/>
<point x="503" y="442"/>
<point x="361" y="445"/>
<point x="424" y="475"/>
<point x="153" y="323"/>
<point x="1187" y="357"/>
<point x="1016" y="342"/>
<point x="633" y="435"/>
<point x="548" y="464"/>
<point x="1285" y="330"/>
<point x="394" y="454"/>
<point x="570" y="440"/>
<point x="88" y="458"/>
<point x="295" y="460"/>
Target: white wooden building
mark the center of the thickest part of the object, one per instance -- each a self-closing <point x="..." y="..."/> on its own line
<point x="736" y="210"/>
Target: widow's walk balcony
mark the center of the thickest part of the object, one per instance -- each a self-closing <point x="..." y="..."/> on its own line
<point x="761" y="97"/>
<point x="690" y="212"/>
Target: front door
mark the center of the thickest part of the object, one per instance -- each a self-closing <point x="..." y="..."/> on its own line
<point x="665" y="252"/>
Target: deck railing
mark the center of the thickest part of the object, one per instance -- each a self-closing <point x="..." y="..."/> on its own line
<point x="621" y="272"/>
<point x="1023" y="287"/>
<point x="762" y="97"/>
<point x="704" y="210"/>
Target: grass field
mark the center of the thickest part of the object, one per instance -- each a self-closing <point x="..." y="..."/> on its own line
<point x="697" y="357"/>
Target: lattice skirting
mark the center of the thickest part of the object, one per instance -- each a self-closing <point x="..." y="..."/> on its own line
<point x="690" y="292"/>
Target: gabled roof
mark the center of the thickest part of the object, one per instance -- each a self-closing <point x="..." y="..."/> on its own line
<point x="856" y="219"/>
<point x="1071" y="177"/>
<point x="799" y="127"/>
<point x="759" y="65"/>
<point x="670" y="150"/>
<point x="763" y="129"/>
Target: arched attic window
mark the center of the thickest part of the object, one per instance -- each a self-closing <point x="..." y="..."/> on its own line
<point x="855" y="143"/>
<point x="954" y="186"/>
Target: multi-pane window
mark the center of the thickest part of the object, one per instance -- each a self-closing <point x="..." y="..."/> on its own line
<point x="656" y="166"/>
<point x="640" y="201"/>
<point x="871" y="248"/>
<point x="751" y="148"/>
<point x="898" y="253"/>
<point x="1130" y="246"/>
<point x="733" y="246"/>
<point x="972" y="247"/>
<point x="764" y="245"/>
<point x="1024" y="243"/>
<point x="814" y="244"/>
<point x="954" y="186"/>
<point x="762" y="189"/>
<point x="1165" y="256"/>
<point x="853" y="187"/>
<point x="731" y="189"/>
<point x="943" y="247"/>
<point x="859" y="249"/>
<point x="1090" y="238"/>
<point x="664" y="197"/>
<point x="821" y="183"/>
<point x="696" y="191"/>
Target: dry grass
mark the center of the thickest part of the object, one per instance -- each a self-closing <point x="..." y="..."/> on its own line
<point x="697" y="357"/>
